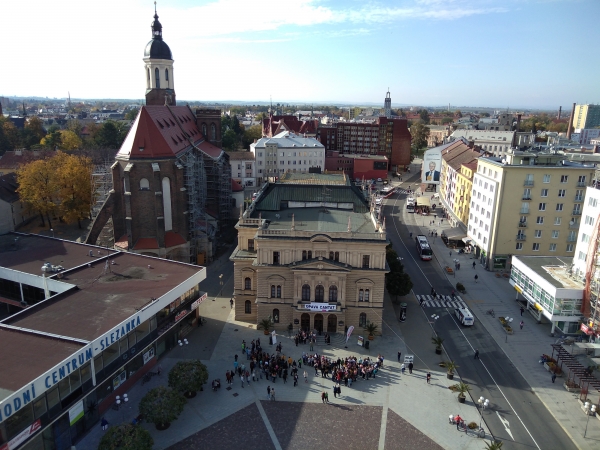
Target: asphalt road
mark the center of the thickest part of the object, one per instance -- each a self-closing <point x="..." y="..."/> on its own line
<point x="516" y="416"/>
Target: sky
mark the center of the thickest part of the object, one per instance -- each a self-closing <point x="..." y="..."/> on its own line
<point x="509" y="54"/>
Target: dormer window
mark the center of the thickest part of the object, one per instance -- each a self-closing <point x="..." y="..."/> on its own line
<point x="141" y="149"/>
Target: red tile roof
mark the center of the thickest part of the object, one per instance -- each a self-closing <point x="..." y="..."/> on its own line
<point x="235" y="186"/>
<point x="162" y="132"/>
<point x="146" y="243"/>
<point x="210" y="149"/>
<point x="172" y="239"/>
<point x="13" y="159"/>
<point x="275" y="124"/>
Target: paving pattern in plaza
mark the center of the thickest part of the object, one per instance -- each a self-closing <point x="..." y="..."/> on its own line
<point x="429" y="301"/>
<point x="301" y="426"/>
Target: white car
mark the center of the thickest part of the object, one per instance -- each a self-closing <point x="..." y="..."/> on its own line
<point x="378" y="200"/>
<point x="379" y="180"/>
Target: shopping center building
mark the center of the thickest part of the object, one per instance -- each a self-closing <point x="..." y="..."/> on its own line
<point x="87" y="323"/>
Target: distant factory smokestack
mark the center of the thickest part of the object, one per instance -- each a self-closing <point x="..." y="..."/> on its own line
<point x="570" y="127"/>
<point x="559" y="112"/>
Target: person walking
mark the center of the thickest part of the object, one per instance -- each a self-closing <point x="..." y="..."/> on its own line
<point x="428" y="377"/>
<point x="295" y="379"/>
<point x="522" y="311"/>
<point x="399" y="355"/>
<point x="323" y="397"/>
<point x="273" y="394"/>
<point x="104" y="422"/>
<point x="339" y="389"/>
<point x="522" y="324"/>
<point x="410" y="367"/>
<point x="476" y="354"/>
<point x="231" y="303"/>
<point x="311" y="344"/>
<point x="402" y="368"/>
<point x="326" y="397"/>
<point x="474" y="264"/>
<point x="553" y="377"/>
<point x="335" y="391"/>
<point x="268" y="392"/>
<point x="305" y="377"/>
<point x="476" y="278"/>
<point x="242" y="379"/>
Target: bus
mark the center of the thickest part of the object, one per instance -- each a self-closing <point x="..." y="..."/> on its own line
<point x="423" y="248"/>
<point x="410" y="204"/>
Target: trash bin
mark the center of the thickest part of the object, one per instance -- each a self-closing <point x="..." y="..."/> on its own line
<point x="367" y="345"/>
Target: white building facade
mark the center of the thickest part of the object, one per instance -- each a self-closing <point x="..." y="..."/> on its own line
<point x="286" y="152"/>
<point x="484" y="198"/>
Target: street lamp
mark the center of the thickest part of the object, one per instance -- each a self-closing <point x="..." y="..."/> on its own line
<point x="590" y="411"/>
<point x="508" y="321"/>
<point x="220" y="284"/>
<point x="52" y="229"/>
<point x="484" y="403"/>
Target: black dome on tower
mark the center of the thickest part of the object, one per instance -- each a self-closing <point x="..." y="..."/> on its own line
<point x="157" y="48"/>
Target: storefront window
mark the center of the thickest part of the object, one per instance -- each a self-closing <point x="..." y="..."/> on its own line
<point x="39" y="406"/>
<point x="111" y="353"/>
<point x="123" y="345"/>
<point x="98" y="363"/>
<point x="131" y="338"/>
<point x="75" y="380"/>
<point x="142" y="331"/>
<point x="86" y="372"/>
<point x="20" y="420"/>
<point x="53" y="401"/>
<point x="64" y="388"/>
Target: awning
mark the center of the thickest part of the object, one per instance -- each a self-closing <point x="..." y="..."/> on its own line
<point x="467" y="240"/>
<point x="423" y="201"/>
<point x="454" y="234"/>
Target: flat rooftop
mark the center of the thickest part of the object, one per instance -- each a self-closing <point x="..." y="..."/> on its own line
<point x="319" y="219"/>
<point x="552" y="269"/>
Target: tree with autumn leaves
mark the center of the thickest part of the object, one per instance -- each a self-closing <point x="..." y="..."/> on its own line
<point x="58" y="186"/>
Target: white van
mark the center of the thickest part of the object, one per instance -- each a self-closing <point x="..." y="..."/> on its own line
<point x="464" y="316"/>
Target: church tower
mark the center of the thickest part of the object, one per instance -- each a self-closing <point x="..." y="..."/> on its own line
<point x="158" y="62"/>
<point x="387" y="105"/>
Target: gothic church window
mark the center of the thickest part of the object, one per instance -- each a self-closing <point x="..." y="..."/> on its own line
<point x="157" y="78"/>
<point x="213" y="132"/>
<point x="144" y="185"/>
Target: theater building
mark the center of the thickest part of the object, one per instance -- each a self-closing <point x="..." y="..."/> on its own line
<point x="89" y="323"/>
<point x="310" y="253"/>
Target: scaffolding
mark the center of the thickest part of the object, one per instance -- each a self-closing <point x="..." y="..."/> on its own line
<point x="195" y="185"/>
<point x="218" y="187"/>
<point x="101" y="186"/>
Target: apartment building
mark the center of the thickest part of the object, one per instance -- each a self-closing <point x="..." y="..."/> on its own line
<point x="526" y="204"/>
<point x="310" y="253"/>
<point x="286" y="152"/>
<point x="495" y="143"/>
<point x="243" y="168"/>
<point x="586" y="116"/>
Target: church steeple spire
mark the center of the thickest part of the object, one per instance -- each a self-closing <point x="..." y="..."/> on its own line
<point x="156" y="26"/>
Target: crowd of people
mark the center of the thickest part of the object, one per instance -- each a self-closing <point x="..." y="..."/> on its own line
<point x="273" y="366"/>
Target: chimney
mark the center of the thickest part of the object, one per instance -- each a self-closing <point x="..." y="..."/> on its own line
<point x="570" y="126"/>
<point x="559" y="112"/>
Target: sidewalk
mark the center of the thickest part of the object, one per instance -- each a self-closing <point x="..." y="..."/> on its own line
<point x="525" y="346"/>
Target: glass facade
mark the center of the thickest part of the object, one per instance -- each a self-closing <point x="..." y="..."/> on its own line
<point x="555" y="306"/>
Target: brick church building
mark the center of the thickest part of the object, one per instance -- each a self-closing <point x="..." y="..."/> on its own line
<point x="171" y="179"/>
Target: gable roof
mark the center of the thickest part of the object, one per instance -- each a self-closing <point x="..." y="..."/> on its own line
<point x="162" y="132"/>
<point x="12" y="159"/>
<point x="458" y="154"/>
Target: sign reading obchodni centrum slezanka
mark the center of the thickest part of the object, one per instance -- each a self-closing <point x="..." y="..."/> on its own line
<point x="28" y="393"/>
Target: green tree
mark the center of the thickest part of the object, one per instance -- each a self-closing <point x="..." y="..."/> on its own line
<point x="126" y="437"/>
<point x="131" y="114"/>
<point x="235" y="125"/>
<point x="424" y="114"/>
<point x="260" y="116"/>
<point x="9" y="135"/>
<point x="392" y="260"/>
<point x="398" y="284"/>
<point x="188" y="377"/>
<point x="161" y="406"/>
<point x="230" y="140"/>
<point x="52" y="140"/>
<point x="251" y="134"/>
<point x="33" y="132"/>
<point x="69" y="140"/>
<point x="110" y="135"/>
<point x="419" y="134"/>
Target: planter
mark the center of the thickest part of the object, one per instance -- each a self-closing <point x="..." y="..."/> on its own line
<point x="371" y="337"/>
<point x="508" y="330"/>
<point x="549" y="369"/>
<point x="450" y="376"/>
<point x="461" y="399"/>
<point x="266" y="332"/>
<point x="575" y="388"/>
<point x="449" y="269"/>
<point x="162" y="426"/>
<point x="438" y="351"/>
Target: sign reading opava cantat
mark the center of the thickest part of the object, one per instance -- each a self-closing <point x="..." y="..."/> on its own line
<point x="320" y="307"/>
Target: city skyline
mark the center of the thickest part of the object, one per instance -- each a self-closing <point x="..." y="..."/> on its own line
<point x="428" y="52"/>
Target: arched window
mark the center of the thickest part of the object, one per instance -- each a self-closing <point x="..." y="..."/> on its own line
<point x="306" y="293"/>
<point x="331" y="255"/>
<point x="248" y="307"/>
<point x="333" y="293"/>
<point x="319" y="293"/>
<point x="167" y="77"/>
<point x="272" y="290"/>
<point x="157" y="78"/>
<point x="278" y="291"/>
<point x="303" y="255"/>
<point x="144" y="184"/>
<point x="336" y="257"/>
<point x="166" y="197"/>
<point x="247" y="283"/>
<point x="366" y="295"/>
<point x="204" y="129"/>
<point x="213" y="132"/>
<point x="148" y="79"/>
<point x="362" y="320"/>
<point x="310" y="254"/>
<point x="361" y="295"/>
<point x="275" y="316"/>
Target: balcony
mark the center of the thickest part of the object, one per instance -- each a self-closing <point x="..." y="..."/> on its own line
<point x="573" y="226"/>
<point x="520" y="237"/>
<point x="579" y="198"/>
<point x="528" y="183"/>
<point x="524" y="211"/>
<point x="576" y="212"/>
<point x="571" y="238"/>
<point x="525" y="197"/>
<point x="522" y="224"/>
<point x="581" y="184"/>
